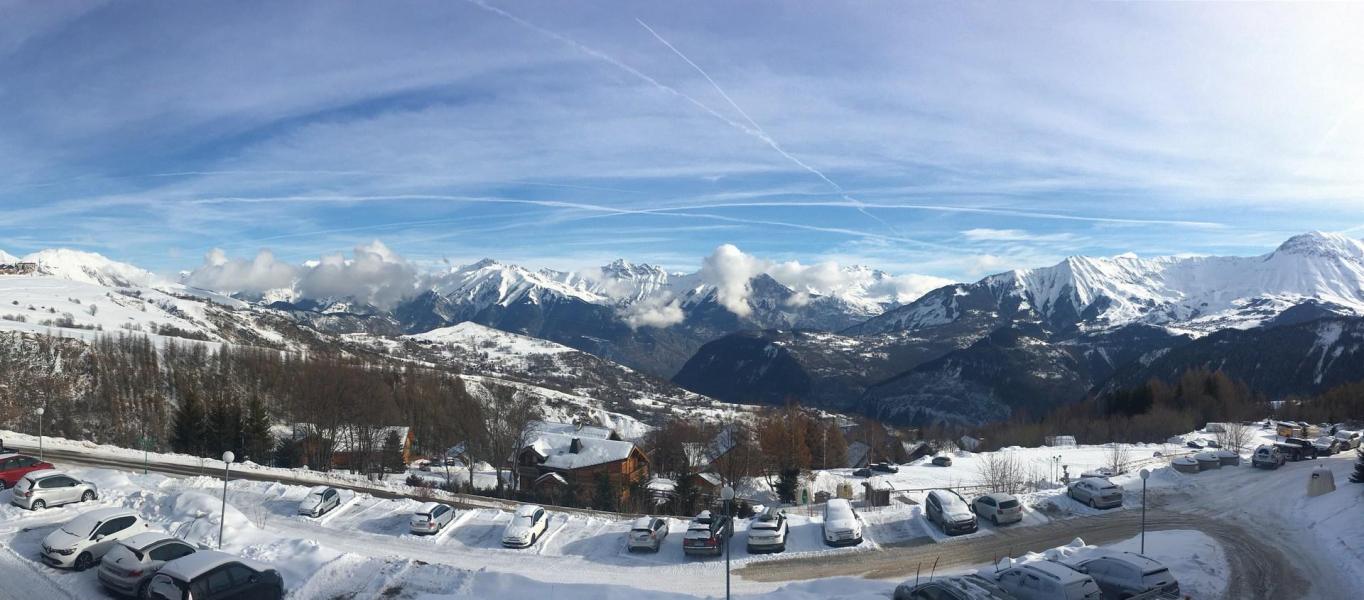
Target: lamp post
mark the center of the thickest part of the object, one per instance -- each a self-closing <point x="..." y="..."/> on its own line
<point x="40" y="411"/>
<point x="727" y="494"/>
<point x="1145" y="474"/>
<point x="227" y="469"/>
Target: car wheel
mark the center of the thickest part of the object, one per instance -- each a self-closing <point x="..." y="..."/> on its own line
<point x="39" y="505"/>
<point x="2" y="485"/>
<point x="87" y="496"/>
<point x="142" y="589"/>
<point x="1092" y="503"/>
<point x="994" y="519"/>
<point x="84" y="561"/>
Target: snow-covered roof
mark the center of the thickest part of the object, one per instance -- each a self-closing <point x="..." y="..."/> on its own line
<point x="317" y="490"/>
<point x="1057" y="571"/>
<point x="528" y="510"/>
<point x="711" y="478"/>
<point x="426" y="508"/>
<point x="191" y="566"/>
<point x="582" y="431"/>
<point x="558" y="451"/>
<point x="141" y="541"/>
<point x="555" y="477"/>
<point x="87" y="520"/>
<point x="643" y="523"/>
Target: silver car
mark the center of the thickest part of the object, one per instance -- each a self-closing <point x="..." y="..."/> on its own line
<point x="1127" y="574"/>
<point x="41" y="489"/>
<point x="647" y="533"/>
<point x="319" y="501"/>
<point x="767" y="532"/>
<point x="998" y="508"/>
<point x="128" y="567"/>
<point x="431" y="517"/>
<point x="1096" y="492"/>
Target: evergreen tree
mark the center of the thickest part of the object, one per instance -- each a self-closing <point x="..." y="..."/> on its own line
<point x="392" y="459"/>
<point x="189" y="430"/>
<point x="787" y="483"/>
<point x="257" y="440"/>
<point x="686" y="493"/>
<point x="1358" y="475"/>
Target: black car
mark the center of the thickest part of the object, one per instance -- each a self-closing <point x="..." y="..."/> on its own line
<point x="942" y="461"/>
<point x="885" y="467"/>
<point x="212" y="575"/>
<point x="1196" y="444"/>
<point x="863" y="472"/>
<point x="1296" y="449"/>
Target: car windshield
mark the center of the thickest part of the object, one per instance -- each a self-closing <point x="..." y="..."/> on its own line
<point x="523" y="519"/>
<point x="1160" y="575"/>
<point x="79" y="528"/>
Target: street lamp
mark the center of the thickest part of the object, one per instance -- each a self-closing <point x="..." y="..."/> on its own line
<point x="727" y="494"/>
<point x="227" y="468"/>
<point x="41" y="410"/>
<point x="1145" y="474"/>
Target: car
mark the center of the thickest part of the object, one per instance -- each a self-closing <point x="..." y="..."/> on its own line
<point x="863" y="472"/>
<point x="83" y="541"/>
<point x="842" y="524"/>
<point x="1327" y="445"/>
<point x="950" y="512"/>
<point x="706" y="534"/>
<point x="213" y="575"/>
<point x="942" y="461"/>
<point x="647" y="533"/>
<point x="962" y="587"/>
<point x="127" y="568"/>
<point x="41" y="489"/>
<point x="319" y="501"/>
<point x="1348" y="439"/>
<point x="767" y="532"/>
<point x="1299" y="449"/>
<point x="1268" y="456"/>
<point x="885" y="467"/>
<point x="1196" y="444"/>
<point x="527" y="524"/>
<point x="13" y="467"/>
<point x="1212" y="444"/>
<point x="998" y="508"/>
<point x="1047" y="580"/>
<point x="1127" y="574"/>
<point x="1096" y="492"/>
<point x="430" y="517"/>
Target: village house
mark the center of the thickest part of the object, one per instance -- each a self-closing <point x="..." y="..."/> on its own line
<point x="564" y="456"/>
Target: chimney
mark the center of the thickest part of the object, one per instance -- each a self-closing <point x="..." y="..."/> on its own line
<point x="575" y="446"/>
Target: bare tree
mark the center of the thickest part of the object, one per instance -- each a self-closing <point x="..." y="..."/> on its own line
<point x="1119" y="460"/>
<point x="1002" y="472"/>
<point x="1235" y="436"/>
<point x="507" y="417"/>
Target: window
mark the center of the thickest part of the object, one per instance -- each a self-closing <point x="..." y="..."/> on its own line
<point x="241" y="575"/>
<point x="9" y="463"/>
<point x="170" y="552"/>
<point x="50" y="483"/>
<point x="64" y="482"/>
<point x="539" y="514"/>
<point x="219" y="581"/>
<point x="987" y="501"/>
<point x="115" y="525"/>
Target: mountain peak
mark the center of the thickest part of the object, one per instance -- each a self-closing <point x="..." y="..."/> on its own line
<point x="1323" y="244"/>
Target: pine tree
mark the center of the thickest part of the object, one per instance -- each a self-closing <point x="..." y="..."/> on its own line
<point x="686" y="493"/>
<point x="257" y="439"/>
<point x="787" y="483"/>
<point x="392" y="459"/>
<point x="1358" y="476"/>
<point x="189" y="430"/>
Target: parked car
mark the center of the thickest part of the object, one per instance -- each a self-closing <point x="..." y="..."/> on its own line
<point x="1196" y="444"/>
<point x="13" y="467"/>
<point x="1212" y="444"/>
<point x="213" y="575"/>
<point x="1047" y="580"/>
<point x="999" y="508"/>
<point x="1348" y="439"/>
<point x="41" y="489"/>
<point x="128" y="567"/>
<point x="1327" y="445"/>
<point x="81" y="542"/>
<point x="863" y="472"/>
<point x="1097" y="493"/>
<point x="767" y="532"/>
<point x="942" y="461"/>
<point x="1298" y="449"/>
<point x="706" y="534"/>
<point x="431" y="517"/>
<point x="963" y="587"/>
<point x="647" y="533"/>
<point x="526" y="526"/>
<point x="1127" y="574"/>
<point x="885" y="467"/>
<point x="842" y="524"/>
<point x="1268" y="456"/>
<point x="319" y="501"/>
<point x="949" y="511"/>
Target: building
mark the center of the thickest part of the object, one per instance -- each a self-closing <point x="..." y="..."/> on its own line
<point x="18" y="268"/>
<point x="561" y="457"/>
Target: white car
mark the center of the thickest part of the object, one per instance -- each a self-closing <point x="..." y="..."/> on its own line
<point x="319" y="501"/>
<point x="41" y="489"/>
<point x="1127" y="574"/>
<point x="83" y="541"/>
<point x="998" y="508"/>
<point x="647" y="533"/>
<point x="1096" y="492"/>
<point x="431" y="517"/>
<point x="842" y="525"/>
<point x="1348" y="439"/>
<point x="767" y="532"/>
<point x="1047" y="580"/>
<point x="526" y="526"/>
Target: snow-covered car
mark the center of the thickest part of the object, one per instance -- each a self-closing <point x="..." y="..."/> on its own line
<point x="41" y="489"/>
<point x="84" y="540"/>
<point x="963" y="587"/>
<point x="526" y="526"/>
<point x="647" y="533"/>
<point x="1268" y="456"/>
<point x="1348" y="439"/>
<point x="1327" y="445"/>
<point x="1127" y="574"/>
<point x="949" y="511"/>
<point x="1096" y="492"/>
<point x="842" y="525"/>
<point x="1047" y="580"/>
<point x="213" y="575"/>
<point x="430" y="517"/>
<point x="13" y="468"/>
<point x="885" y="467"/>
<point x="128" y="567"/>
<point x="999" y="508"/>
<point x="942" y="461"/>
<point x="767" y="532"/>
<point x="319" y="501"/>
<point x="706" y="534"/>
<point x="1296" y="449"/>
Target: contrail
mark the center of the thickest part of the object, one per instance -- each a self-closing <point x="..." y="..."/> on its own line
<point x="762" y="133"/>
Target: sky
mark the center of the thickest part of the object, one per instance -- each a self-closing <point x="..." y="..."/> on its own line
<point x="950" y="140"/>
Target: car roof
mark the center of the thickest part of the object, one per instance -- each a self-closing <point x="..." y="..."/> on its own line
<point x="318" y="489"/>
<point x="427" y="507"/>
<point x="528" y="510"/>
<point x="189" y="567"/>
<point x="999" y="496"/>
<point x="1056" y="570"/>
<point x="643" y="523"/>
<point x="102" y="514"/>
<point x="839" y="502"/>
<point x="945" y="495"/>
<point x="44" y="474"/>
<point x="145" y="539"/>
<point x="1100" y="481"/>
<point x="7" y="454"/>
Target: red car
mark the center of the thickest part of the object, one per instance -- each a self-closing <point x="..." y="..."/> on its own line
<point x="13" y="467"/>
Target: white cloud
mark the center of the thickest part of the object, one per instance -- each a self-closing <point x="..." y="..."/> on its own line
<point x="662" y="310"/>
<point x="375" y="274"/>
<point x="729" y="270"/>
<point x="985" y="234"/>
<point x="233" y="275"/>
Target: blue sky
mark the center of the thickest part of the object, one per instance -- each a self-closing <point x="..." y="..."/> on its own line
<point x="947" y="139"/>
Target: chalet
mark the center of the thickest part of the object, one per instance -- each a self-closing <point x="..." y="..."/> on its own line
<point x="703" y="457"/>
<point x="564" y="456"/>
